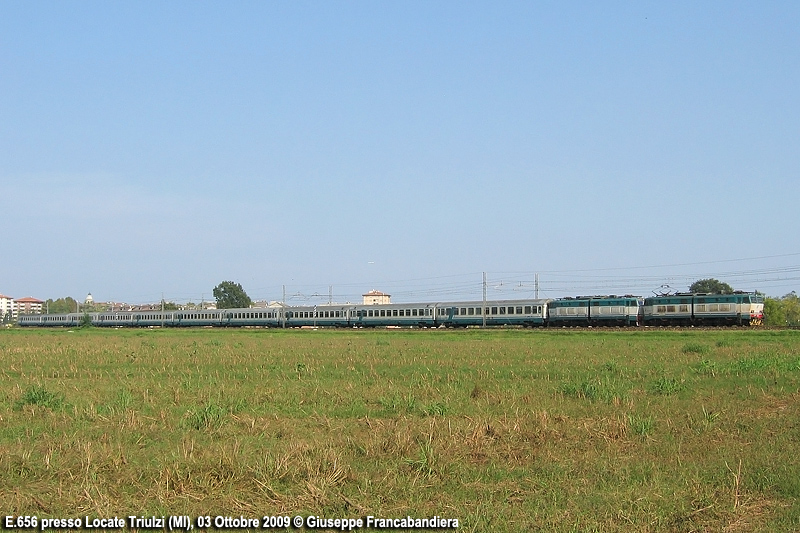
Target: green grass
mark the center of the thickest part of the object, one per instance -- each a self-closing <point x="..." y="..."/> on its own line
<point x="506" y="430"/>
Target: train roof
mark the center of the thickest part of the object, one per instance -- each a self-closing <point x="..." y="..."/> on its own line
<point x="603" y="297"/>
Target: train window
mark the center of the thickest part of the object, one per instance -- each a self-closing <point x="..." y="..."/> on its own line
<point x="470" y="311"/>
<point x="338" y="314"/>
<point x="402" y="312"/>
<point x="519" y="310"/>
<point x="494" y="310"/>
<point x="528" y="309"/>
<point x="510" y="310"/>
<point x="427" y="312"/>
<point x="502" y="310"/>
<point x="394" y="312"/>
<point x="413" y="312"/>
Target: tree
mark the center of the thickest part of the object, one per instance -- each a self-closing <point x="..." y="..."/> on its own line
<point x="62" y="306"/>
<point x="791" y="306"/>
<point x="774" y="314"/>
<point x="782" y="311"/>
<point x="231" y="295"/>
<point x="710" y="286"/>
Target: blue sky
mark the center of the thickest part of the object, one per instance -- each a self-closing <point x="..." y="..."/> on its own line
<point x="161" y="148"/>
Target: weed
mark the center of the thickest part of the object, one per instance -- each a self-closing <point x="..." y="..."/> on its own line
<point x="706" y="367"/>
<point x="435" y="409"/>
<point x="610" y="367"/>
<point x="397" y="403"/>
<point x="753" y="363"/>
<point x="124" y="399"/>
<point x="593" y="390"/>
<point x="666" y="386"/>
<point x="641" y="425"/>
<point x="426" y="462"/>
<point x="209" y="416"/>
<point x="38" y="395"/>
<point x="694" y="347"/>
<point x="709" y="417"/>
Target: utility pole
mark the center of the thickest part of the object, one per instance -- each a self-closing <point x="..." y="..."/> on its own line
<point x="483" y="311"/>
<point x="283" y="308"/>
<point x="536" y="285"/>
<point x="330" y="294"/>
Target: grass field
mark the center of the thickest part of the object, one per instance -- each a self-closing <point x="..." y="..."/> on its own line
<point x="505" y="430"/>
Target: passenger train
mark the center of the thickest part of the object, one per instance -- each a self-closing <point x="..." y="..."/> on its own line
<point x="682" y="309"/>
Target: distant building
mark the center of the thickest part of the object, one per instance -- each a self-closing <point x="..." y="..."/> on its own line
<point x="6" y="306"/>
<point x="89" y="300"/>
<point x="28" y="306"/>
<point x="374" y="297"/>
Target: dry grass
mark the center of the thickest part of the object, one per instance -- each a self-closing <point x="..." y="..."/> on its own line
<point x="505" y="430"/>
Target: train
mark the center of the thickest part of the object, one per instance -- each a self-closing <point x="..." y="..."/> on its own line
<point x="680" y="309"/>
